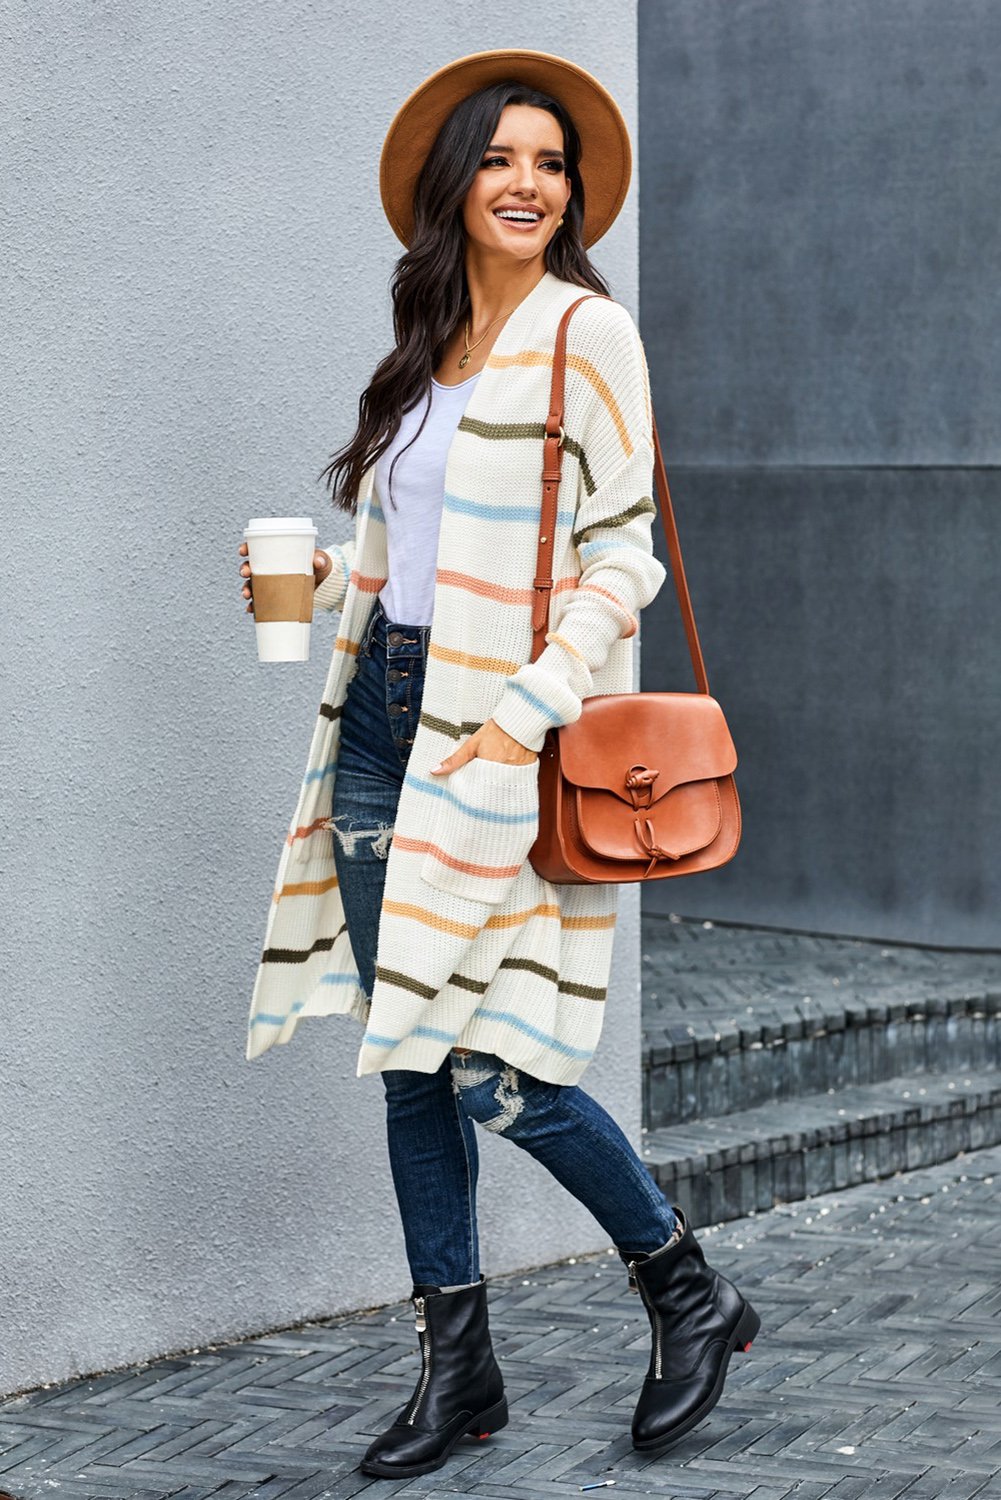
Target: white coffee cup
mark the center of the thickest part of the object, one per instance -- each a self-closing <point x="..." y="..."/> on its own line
<point x="280" y="552"/>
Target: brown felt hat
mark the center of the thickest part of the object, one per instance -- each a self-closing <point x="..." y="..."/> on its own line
<point x="606" y="154"/>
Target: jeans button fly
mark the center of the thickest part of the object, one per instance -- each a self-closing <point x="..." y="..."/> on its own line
<point x="394" y="674"/>
<point x="397" y="708"/>
<point x="395" y="637"/>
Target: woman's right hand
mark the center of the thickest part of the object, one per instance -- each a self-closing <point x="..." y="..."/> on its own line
<point x="322" y="564"/>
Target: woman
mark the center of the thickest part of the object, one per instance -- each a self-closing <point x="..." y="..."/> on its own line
<point x="404" y="894"/>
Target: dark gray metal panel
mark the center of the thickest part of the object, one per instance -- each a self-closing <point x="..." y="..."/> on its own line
<point x="850" y="621"/>
<point x="821" y="228"/>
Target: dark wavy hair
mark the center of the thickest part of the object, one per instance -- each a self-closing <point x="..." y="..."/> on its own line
<point x="429" y="290"/>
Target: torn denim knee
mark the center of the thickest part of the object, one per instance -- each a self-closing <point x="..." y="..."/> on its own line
<point x="510" y="1100"/>
<point x="349" y="836"/>
<point x="466" y="1077"/>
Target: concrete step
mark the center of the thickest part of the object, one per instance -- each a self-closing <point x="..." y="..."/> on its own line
<point x="736" y="1017"/>
<point x="752" y="1159"/>
<point x="703" y="1066"/>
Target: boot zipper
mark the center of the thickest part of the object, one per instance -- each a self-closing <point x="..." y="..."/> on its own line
<point x="425" y="1355"/>
<point x="638" y="1286"/>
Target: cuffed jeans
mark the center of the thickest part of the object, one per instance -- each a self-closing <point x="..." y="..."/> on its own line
<point x="431" y="1117"/>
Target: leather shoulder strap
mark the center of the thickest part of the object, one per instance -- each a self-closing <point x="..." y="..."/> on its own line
<point x="551" y="466"/>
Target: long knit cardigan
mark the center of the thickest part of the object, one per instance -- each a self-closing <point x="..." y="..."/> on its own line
<point x="475" y="949"/>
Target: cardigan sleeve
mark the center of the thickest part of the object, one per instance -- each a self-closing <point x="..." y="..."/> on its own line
<point x="619" y="573"/>
<point x="330" y="593"/>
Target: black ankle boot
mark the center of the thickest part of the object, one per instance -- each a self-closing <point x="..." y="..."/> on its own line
<point x="460" y="1389"/>
<point x="698" y="1318"/>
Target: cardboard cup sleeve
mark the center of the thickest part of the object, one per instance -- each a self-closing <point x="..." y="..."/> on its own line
<point x="282" y="596"/>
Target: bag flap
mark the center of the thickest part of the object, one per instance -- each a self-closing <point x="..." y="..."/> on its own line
<point x="675" y="737"/>
<point x="686" y="819"/>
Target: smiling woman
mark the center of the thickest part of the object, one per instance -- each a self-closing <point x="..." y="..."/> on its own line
<point x="529" y="205"/>
<point x="404" y="896"/>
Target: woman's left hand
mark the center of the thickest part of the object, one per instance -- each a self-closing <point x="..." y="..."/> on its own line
<point x="490" y="742"/>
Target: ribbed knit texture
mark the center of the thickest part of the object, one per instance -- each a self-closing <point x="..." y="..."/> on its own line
<point x="476" y="949"/>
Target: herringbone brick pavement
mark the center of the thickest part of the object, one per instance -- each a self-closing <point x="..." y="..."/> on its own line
<point x="877" y="1373"/>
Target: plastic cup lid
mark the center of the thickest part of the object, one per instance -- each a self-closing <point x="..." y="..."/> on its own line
<point x="281" y="523"/>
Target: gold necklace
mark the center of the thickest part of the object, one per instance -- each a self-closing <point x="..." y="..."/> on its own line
<point x="464" y="361"/>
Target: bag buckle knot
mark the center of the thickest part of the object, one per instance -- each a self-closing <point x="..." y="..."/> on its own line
<point x="639" y="785"/>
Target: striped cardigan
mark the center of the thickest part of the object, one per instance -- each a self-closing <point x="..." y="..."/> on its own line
<point x="475" y="949"/>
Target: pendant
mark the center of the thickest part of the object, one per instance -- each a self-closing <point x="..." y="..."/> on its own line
<point x="464" y="361"/>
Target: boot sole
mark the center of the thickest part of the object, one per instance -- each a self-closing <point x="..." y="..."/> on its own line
<point x="742" y="1337"/>
<point x="489" y="1421"/>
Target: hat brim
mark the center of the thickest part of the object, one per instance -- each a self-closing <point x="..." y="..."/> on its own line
<point x="606" y="152"/>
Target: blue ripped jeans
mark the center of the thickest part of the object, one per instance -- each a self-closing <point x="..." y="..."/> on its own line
<point x="431" y="1117"/>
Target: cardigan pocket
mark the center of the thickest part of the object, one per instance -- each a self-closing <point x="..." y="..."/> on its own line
<point x="485" y="824"/>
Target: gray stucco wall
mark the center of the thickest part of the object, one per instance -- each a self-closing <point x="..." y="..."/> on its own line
<point x="196" y="292"/>
<point x="820" y="262"/>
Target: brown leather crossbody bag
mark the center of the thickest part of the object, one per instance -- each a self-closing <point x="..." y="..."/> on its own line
<point x="641" y="786"/>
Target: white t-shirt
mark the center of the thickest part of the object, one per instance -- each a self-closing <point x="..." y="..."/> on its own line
<point x="413" y="521"/>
